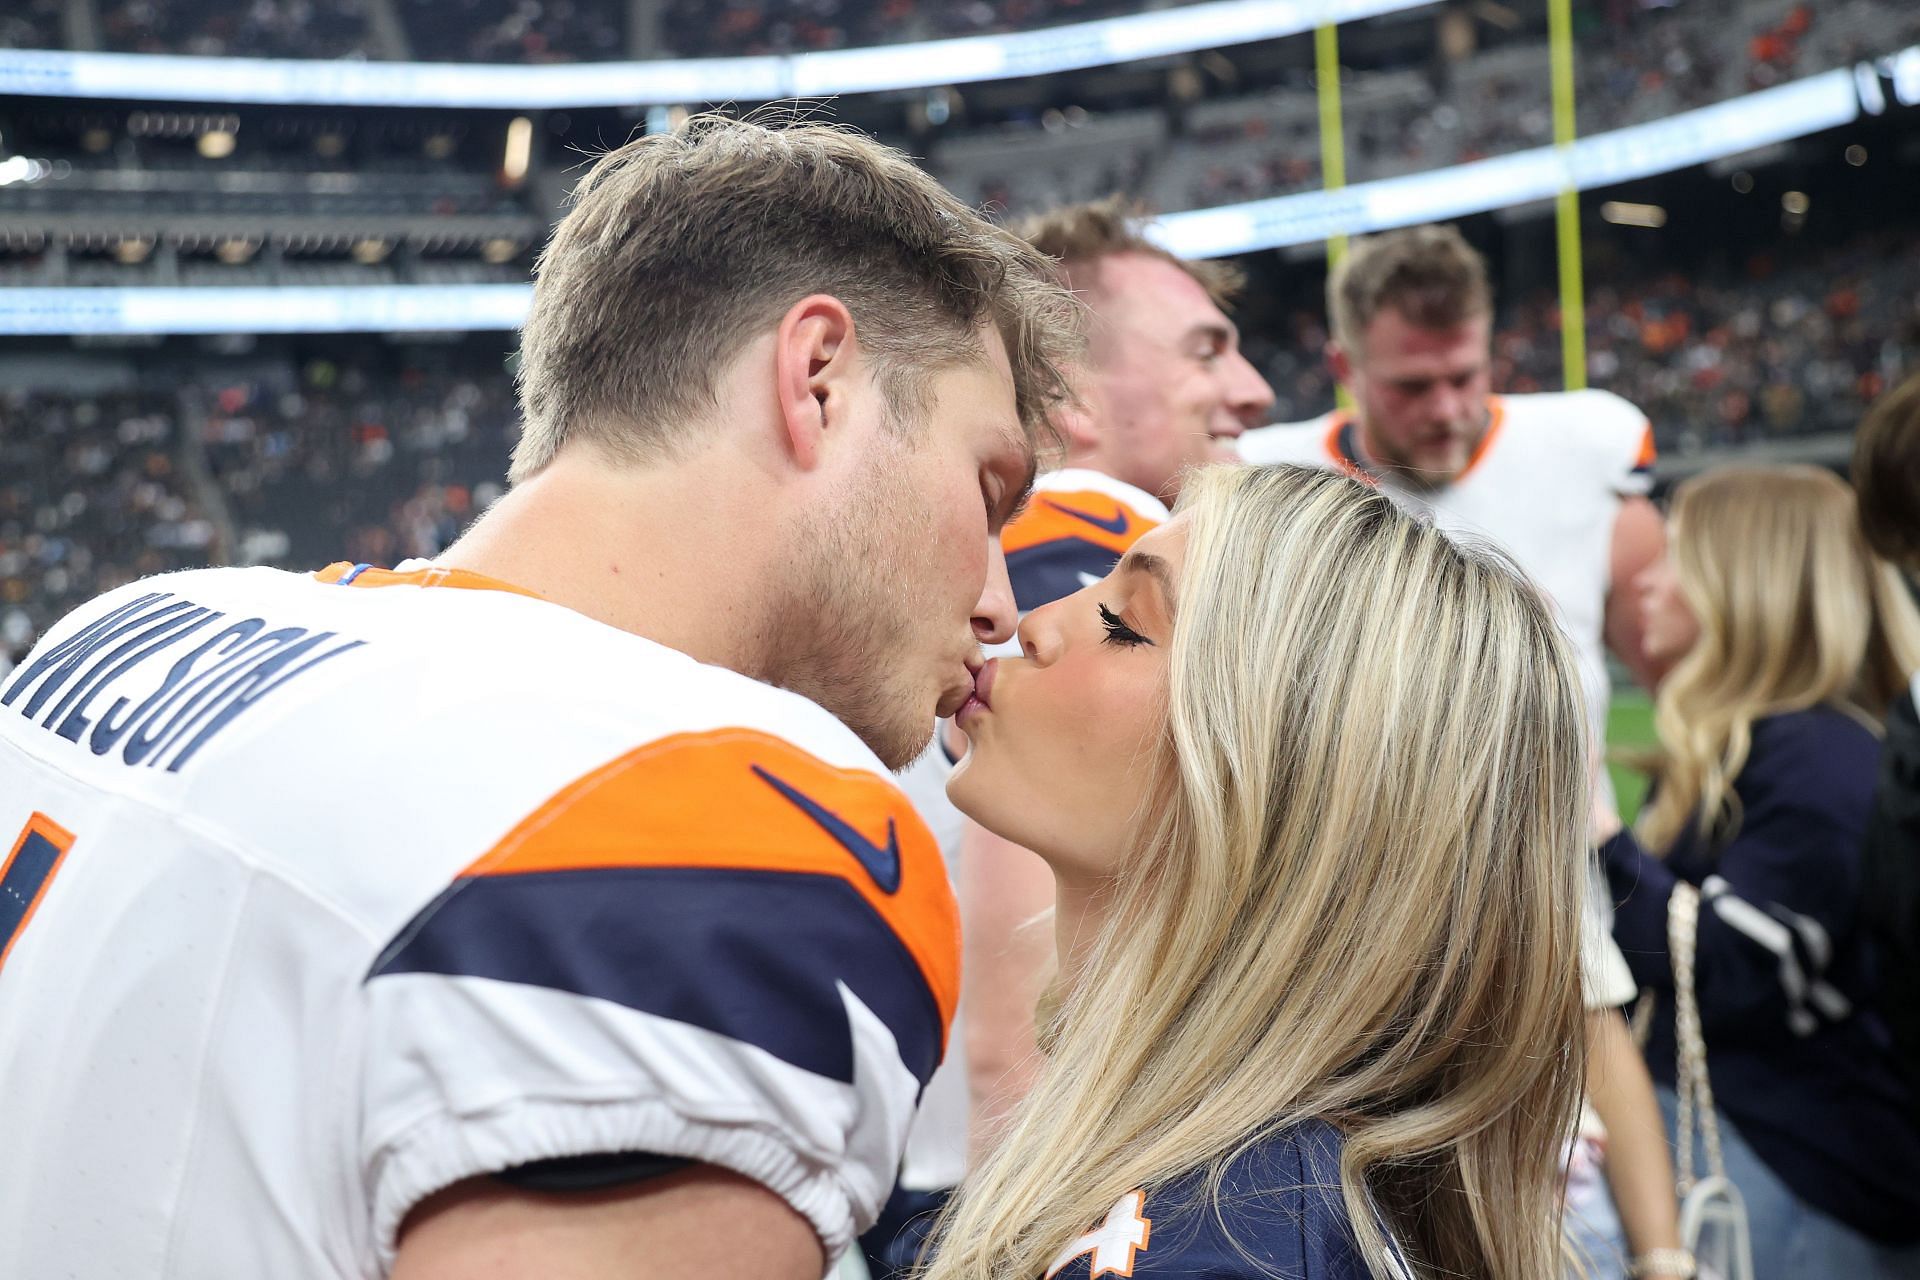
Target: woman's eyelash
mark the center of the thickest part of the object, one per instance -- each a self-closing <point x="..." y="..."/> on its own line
<point x="1119" y="632"/>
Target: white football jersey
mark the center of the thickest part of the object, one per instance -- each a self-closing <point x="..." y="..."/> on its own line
<point x="329" y="891"/>
<point x="1544" y="485"/>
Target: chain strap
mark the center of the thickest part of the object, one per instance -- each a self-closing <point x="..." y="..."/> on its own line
<point x="1695" y="1092"/>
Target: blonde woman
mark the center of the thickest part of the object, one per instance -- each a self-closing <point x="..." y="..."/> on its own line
<point x="1311" y="782"/>
<point x="1789" y="639"/>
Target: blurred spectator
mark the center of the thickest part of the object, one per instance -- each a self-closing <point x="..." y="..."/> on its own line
<point x="90" y="497"/>
<point x="703" y="28"/>
<point x="1636" y="64"/>
<point x="338" y="465"/>
<point x="1886" y="475"/>
<point x="31" y="24"/>
<point x="515" y="30"/>
<point x="251" y="28"/>
<point x="1788" y="641"/>
<point x="1726" y="362"/>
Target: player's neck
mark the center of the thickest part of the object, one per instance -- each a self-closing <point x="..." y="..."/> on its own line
<point x="659" y="553"/>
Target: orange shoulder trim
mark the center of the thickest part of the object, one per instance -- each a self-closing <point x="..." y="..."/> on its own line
<point x="1083" y="514"/>
<point x="742" y="799"/>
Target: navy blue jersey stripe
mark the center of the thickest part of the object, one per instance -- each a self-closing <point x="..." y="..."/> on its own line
<point x="1050" y="571"/>
<point x="26" y="876"/>
<point x="756" y="956"/>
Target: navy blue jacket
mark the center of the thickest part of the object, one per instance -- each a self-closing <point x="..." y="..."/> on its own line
<point x="1280" y="1215"/>
<point x="1796" y="1048"/>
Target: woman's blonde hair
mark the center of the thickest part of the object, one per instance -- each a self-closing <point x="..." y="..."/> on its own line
<point x="1354" y="896"/>
<point x="1795" y="612"/>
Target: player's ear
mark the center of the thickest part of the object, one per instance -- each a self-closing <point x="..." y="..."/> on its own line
<point x="811" y="350"/>
<point x="1339" y="363"/>
<point x="1074" y="419"/>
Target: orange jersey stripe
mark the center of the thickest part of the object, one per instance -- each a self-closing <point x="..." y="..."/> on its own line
<point x="1085" y="514"/>
<point x="704" y="800"/>
<point x="431" y="576"/>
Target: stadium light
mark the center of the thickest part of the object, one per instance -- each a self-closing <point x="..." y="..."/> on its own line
<point x="928" y="64"/>
<point x="1622" y="213"/>
<point x="519" y="150"/>
<point x="20" y="169"/>
<point x="1734" y="127"/>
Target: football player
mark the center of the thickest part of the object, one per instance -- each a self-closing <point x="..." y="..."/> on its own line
<point x="1559" y="479"/>
<point x="547" y="911"/>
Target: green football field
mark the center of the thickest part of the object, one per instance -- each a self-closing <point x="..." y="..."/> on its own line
<point x="1629" y="726"/>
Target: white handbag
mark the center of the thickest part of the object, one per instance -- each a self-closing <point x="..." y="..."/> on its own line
<point x="1713" y="1216"/>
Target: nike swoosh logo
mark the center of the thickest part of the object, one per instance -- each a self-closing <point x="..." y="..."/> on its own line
<point x="882" y="864"/>
<point x="1118" y="524"/>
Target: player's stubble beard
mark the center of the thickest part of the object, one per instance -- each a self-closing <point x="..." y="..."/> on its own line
<point x="1421" y="479"/>
<point x="846" y="625"/>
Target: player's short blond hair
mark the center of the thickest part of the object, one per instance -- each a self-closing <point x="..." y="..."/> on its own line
<point x="681" y="247"/>
<point x="1430" y="275"/>
<point x="1079" y="237"/>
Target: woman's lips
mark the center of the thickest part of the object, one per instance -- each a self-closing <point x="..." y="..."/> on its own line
<point x="980" y="701"/>
<point x="983" y="682"/>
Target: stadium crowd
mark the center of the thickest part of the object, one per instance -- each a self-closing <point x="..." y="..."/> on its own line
<point x="257" y="28"/>
<point x="1636" y="65"/>
<point x="330" y="459"/>
<point x="91" y="496"/>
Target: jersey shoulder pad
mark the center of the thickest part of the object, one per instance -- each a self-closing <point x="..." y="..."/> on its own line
<point x="1601" y="433"/>
<point x="1075" y="528"/>
<point x="685" y="851"/>
<point x="718" y="947"/>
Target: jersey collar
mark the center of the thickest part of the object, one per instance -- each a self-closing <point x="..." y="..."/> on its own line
<point x="344" y="574"/>
<point x="1349" y="455"/>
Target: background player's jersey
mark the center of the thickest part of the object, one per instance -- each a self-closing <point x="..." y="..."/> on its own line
<point x="1074" y="529"/>
<point x="1545" y="485"/>
<point x="333" y="890"/>
<point x="1280" y="1216"/>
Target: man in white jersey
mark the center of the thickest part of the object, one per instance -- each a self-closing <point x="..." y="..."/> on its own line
<point x="1557" y="480"/>
<point x="547" y="911"/>
<point x="1163" y="388"/>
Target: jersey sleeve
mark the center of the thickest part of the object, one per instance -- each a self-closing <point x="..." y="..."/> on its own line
<point x="1067" y="540"/>
<point x="1621" y="437"/>
<point x="717" y="947"/>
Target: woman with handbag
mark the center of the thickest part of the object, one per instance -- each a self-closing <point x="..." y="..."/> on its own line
<point x="1788" y="640"/>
